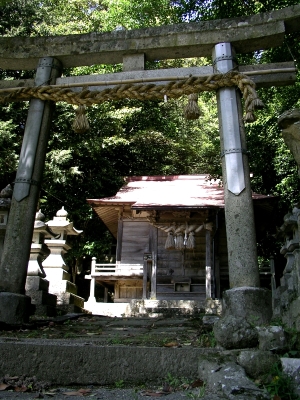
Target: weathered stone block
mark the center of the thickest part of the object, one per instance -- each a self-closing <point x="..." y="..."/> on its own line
<point x="256" y="362"/>
<point x="70" y="298"/>
<point x="272" y="338"/>
<point x="286" y="297"/>
<point x="295" y="309"/>
<point x="244" y="309"/>
<point x="210" y="320"/>
<point x="235" y="333"/>
<point x="36" y="283"/>
<point x="44" y="310"/>
<point x="231" y="380"/>
<point x="14" y="308"/>
<point x="42" y="297"/>
<point x="251" y="303"/>
<point x="213" y="306"/>
<point x="291" y="366"/>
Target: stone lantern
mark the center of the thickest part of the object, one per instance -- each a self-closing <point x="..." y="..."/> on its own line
<point x="43" y="303"/>
<point x="55" y="267"/>
<point x="39" y="250"/>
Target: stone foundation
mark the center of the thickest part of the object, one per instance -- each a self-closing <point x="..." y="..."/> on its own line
<point x="245" y="308"/>
<point x="14" y="308"/>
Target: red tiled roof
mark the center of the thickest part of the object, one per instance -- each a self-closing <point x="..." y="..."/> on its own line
<point x="180" y="191"/>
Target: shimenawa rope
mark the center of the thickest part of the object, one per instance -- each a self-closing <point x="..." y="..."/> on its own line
<point x="190" y="86"/>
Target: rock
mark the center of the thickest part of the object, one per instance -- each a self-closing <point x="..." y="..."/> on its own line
<point x="210" y="320"/>
<point x="235" y="333"/>
<point x="14" y="308"/>
<point x="291" y="366"/>
<point x="272" y="338"/>
<point x="230" y="380"/>
<point x="256" y="362"/>
<point x="244" y="309"/>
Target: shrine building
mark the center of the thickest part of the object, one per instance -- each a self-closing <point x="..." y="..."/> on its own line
<point x="171" y="238"/>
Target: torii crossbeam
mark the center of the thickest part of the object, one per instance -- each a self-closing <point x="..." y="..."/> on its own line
<point x="219" y="38"/>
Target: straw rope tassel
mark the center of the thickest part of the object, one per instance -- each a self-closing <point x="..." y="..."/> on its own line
<point x="190" y="244"/>
<point x="192" y="110"/>
<point x="170" y="242"/>
<point x="179" y="241"/>
<point x="81" y="123"/>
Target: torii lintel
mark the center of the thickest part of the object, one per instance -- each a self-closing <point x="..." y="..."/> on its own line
<point x="246" y="34"/>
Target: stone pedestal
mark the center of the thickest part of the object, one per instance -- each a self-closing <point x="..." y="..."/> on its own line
<point x="43" y="303"/>
<point x="245" y="309"/>
<point x="14" y="308"/>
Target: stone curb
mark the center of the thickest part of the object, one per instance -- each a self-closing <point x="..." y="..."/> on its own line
<point x="64" y="362"/>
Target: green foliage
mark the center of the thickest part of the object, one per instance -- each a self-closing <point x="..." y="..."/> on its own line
<point x="177" y="383"/>
<point x="207" y="340"/>
<point x="196" y="10"/>
<point x="280" y="384"/>
<point x="199" y="394"/>
<point x="120" y="384"/>
<point x="134" y="137"/>
<point x="131" y="14"/>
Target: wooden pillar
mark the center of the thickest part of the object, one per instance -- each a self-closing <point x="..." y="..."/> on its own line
<point x="153" y="278"/>
<point x="153" y="248"/>
<point x="208" y="264"/>
<point x="217" y="278"/>
<point x="145" y="278"/>
<point x="117" y="290"/>
<point x="119" y="239"/>
<point x="105" y="300"/>
<point x="92" y="290"/>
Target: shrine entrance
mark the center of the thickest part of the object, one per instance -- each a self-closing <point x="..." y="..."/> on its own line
<point x="220" y="40"/>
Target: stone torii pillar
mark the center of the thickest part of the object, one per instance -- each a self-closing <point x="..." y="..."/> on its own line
<point x="14" y="305"/>
<point x="245" y="304"/>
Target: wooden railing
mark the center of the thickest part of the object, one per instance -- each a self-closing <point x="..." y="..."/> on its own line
<point x="102" y="269"/>
<point x="98" y="269"/>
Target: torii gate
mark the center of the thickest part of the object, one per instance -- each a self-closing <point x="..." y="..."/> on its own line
<point x="220" y="39"/>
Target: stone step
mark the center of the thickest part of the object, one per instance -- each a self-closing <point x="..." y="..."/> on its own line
<point x="36" y="283"/>
<point x="40" y="310"/>
<point x="70" y="298"/>
<point x="43" y="298"/>
<point x="63" y="286"/>
<point x="129" y="364"/>
<point x="154" y="308"/>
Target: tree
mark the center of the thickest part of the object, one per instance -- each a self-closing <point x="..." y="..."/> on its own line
<point x="133" y="137"/>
